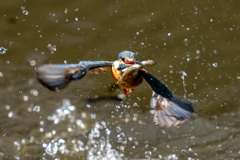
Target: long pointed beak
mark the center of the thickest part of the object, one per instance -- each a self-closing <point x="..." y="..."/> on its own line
<point x="134" y="61"/>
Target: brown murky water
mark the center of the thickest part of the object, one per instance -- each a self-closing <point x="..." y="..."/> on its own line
<point x="199" y="37"/>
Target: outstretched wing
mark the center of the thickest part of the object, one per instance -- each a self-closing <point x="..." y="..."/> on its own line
<point x="57" y="76"/>
<point x="169" y="110"/>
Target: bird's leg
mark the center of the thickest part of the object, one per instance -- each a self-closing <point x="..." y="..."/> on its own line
<point x="130" y="90"/>
<point x="125" y="91"/>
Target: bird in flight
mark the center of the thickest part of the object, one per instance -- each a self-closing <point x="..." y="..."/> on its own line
<point x="128" y="73"/>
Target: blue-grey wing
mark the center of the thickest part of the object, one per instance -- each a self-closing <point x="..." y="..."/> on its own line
<point x="169" y="110"/>
<point x="57" y="76"/>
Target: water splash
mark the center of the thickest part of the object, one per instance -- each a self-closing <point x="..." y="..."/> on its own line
<point x="52" y="148"/>
<point x="66" y="110"/>
<point x="184" y="84"/>
<point x="97" y="144"/>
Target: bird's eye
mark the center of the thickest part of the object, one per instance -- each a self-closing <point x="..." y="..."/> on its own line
<point x="123" y="59"/>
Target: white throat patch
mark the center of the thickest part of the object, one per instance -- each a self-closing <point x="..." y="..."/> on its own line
<point x="115" y="64"/>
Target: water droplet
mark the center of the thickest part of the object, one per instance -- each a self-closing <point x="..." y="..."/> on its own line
<point x="66" y="10"/>
<point x="61" y="141"/>
<point x="10" y="114"/>
<point x="130" y="138"/>
<point x="135" y="143"/>
<point x="76" y="19"/>
<point x="93" y="116"/>
<point x="25" y="98"/>
<point x="148" y="153"/>
<point x="44" y="145"/>
<point x="80" y="123"/>
<point x="17" y="144"/>
<point x="41" y="123"/>
<point x="48" y="134"/>
<point x="52" y="48"/>
<point x="41" y="129"/>
<point x="183" y="74"/>
<point x="211" y="20"/>
<point x="54" y="132"/>
<point x="1" y="74"/>
<point x="25" y="12"/>
<point x="34" y="92"/>
<point x="107" y="131"/>
<point x="3" y="50"/>
<point x="11" y="43"/>
<point x="84" y="115"/>
<point x="28" y="140"/>
<point x="183" y="151"/>
<point x="215" y="51"/>
<point x="118" y="128"/>
<point x="7" y="107"/>
<point x="32" y="62"/>
<point x="215" y="65"/>
<point x="37" y="108"/>
<point x="169" y="34"/>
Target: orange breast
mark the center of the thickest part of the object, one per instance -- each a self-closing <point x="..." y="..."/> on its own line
<point x="130" y="81"/>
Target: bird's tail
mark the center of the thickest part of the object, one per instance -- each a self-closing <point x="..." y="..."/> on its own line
<point x="57" y="76"/>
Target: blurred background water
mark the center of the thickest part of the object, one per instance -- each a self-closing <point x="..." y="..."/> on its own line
<point x="86" y="120"/>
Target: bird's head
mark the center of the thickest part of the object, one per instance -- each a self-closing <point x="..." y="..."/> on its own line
<point x="128" y="58"/>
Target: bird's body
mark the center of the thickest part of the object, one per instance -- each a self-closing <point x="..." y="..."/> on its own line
<point x="128" y="73"/>
<point x="130" y="81"/>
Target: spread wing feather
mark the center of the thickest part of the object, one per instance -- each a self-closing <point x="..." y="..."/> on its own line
<point x="57" y="76"/>
<point x="169" y="110"/>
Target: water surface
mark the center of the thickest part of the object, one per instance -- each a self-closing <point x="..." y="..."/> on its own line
<point x="198" y="37"/>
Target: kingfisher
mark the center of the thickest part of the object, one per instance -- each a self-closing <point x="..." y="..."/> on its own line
<point x="128" y="73"/>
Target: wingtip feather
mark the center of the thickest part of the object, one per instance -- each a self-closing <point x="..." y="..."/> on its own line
<point x="56" y="77"/>
<point x="170" y="112"/>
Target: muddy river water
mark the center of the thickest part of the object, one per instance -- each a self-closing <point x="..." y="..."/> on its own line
<point x="89" y="119"/>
